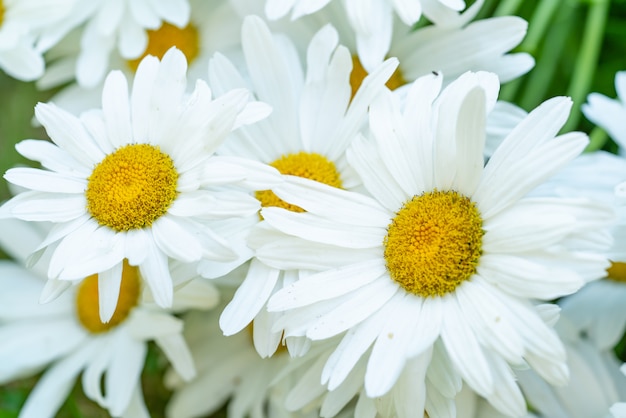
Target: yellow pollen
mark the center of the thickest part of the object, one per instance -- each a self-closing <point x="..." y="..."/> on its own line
<point x="303" y="164"/>
<point x="1" y="12"/>
<point x="132" y="187"/>
<point x="88" y="302"/>
<point x="167" y="36"/>
<point x="359" y="73"/>
<point x="617" y="272"/>
<point x="434" y="243"/>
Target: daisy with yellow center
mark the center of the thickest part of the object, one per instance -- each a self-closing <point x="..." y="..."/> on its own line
<point x="138" y="181"/>
<point x="312" y="123"/>
<point x="22" y="23"/>
<point x="436" y="270"/>
<point x="68" y="337"/>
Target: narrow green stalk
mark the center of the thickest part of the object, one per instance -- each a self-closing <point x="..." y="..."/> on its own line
<point x="541" y="77"/>
<point x="537" y="27"/>
<point x="587" y="59"/>
<point x="507" y="7"/>
<point x="597" y="139"/>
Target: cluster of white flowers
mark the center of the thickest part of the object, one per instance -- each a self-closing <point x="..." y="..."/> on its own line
<point x="312" y="208"/>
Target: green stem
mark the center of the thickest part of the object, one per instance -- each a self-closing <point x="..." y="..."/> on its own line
<point x="597" y="139"/>
<point x="537" y="27"/>
<point x="587" y="59"/>
<point x="541" y="77"/>
<point x="507" y="7"/>
<point x="539" y="22"/>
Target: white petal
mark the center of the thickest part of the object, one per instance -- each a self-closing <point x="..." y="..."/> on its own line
<point x="177" y="352"/>
<point x="109" y="283"/>
<point x="250" y="298"/>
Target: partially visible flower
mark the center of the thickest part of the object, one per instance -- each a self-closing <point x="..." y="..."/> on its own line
<point x="67" y="337"/>
<point x="138" y="180"/>
<point x="448" y="254"/>
<point x="212" y="26"/>
<point x="22" y="23"/>
<point x="372" y="21"/>
<point x="230" y="370"/>
<point x="595" y="383"/>
<point x="609" y="113"/>
<point x="120" y="25"/>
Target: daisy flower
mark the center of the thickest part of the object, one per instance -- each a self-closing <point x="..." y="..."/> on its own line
<point x="597" y="309"/>
<point x="66" y="336"/>
<point x="230" y="370"/>
<point x="609" y="113"/>
<point x="120" y="25"/>
<point x="447" y="253"/>
<point x="210" y="27"/>
<point x="21" y="23"/>
<point x="593" y="372"/>
<point x="372" y="21"/>
<point x="311" y="125"/>
<point x="138" y="180"/>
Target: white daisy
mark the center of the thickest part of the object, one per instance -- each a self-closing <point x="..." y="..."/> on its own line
<point x="447" y="251"/>
<point x="373" y="20"/>
<point x="594" y="374"/>
<point x="21" y="23"/>
<point x="230" y="370"/>
<point x="108" y="25"/>
<point x="597" y="308"/>
<point x="211" y="27"/>
<point x="138" y="180"/>
<point x="67" y="337"/>
<point x="311" y="125"/>
<point x="609" y="113"/>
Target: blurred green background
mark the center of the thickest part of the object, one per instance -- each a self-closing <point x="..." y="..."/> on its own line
<point x="578" y="46"/>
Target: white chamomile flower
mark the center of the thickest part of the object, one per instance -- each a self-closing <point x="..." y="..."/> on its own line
<point x="448" y="253"/>
<point x="108" y="25"/>
<point x="21" y="23"/>
<point x="212" y="26"/>
<point x="597" y="309"/>
<point x="609" y="113"/>
<point x="595" y="382"/>
<point x="372" y="20"/>
<point x="138" y="180"/>
<point x="230" y="370"/>
<point x="312" y="123"/>
<point x="67" y="337"/>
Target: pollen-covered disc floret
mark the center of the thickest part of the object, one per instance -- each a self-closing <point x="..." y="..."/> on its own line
<point x="160" y="40"/>
<point x="309" y="165"/>
<point x="88" y="301"/>
<point x="433" y="243"/>
<point x="132" y="187"/>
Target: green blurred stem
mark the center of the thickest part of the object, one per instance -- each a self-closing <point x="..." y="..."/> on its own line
<point x="540" y="78"/>
<point x="507" y="7"/>
<point x="587" y="59"/>
<point x="597" y="139"/>
<point x="537" y="27"/>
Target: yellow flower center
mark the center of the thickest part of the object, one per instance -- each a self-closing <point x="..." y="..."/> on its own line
<point x="167" y="36"/>
<point x="358" y="74"/>
<point x="433" y="243"/>
<point x="132" y="187"/>
<point x="303" y="164"/>
<point x="88" y="302"/>
<point x="1" y="12"/>
<point x="617" y="272"/>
